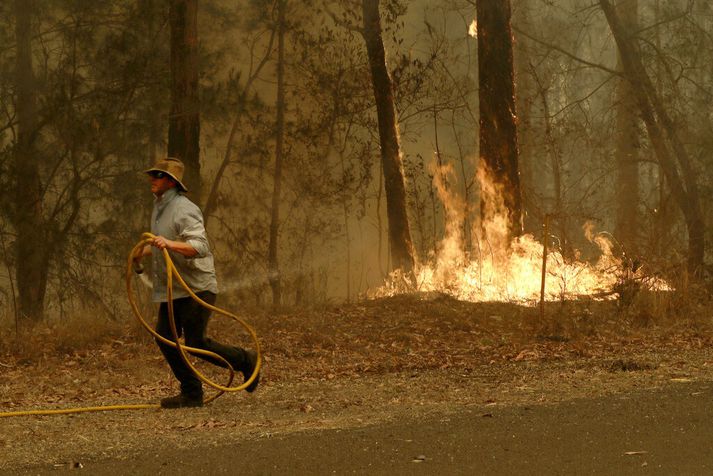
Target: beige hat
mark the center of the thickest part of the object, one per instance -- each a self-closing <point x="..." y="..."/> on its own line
<point x="173" y="167"/>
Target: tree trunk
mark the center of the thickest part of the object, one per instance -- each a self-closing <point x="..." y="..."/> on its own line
<point x="627" y="145"/>
<point x="498" y="132"/>
<point x="401" y="245"/>
<point x="184" y="118"/>
<point x="31" y="254"/>
<point x="525" y="101"/>
<point x="668" y="147"/>
<point x="272" y="265"/>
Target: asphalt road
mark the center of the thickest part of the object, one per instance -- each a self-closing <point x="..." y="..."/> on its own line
<point x="667" y="431"/>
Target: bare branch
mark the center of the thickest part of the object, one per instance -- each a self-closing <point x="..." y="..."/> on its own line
<point x="567" y="53"/>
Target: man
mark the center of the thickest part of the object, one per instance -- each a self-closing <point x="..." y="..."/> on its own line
<point x="178" y="225"/>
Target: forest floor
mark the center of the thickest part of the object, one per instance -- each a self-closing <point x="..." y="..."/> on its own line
<point x="346" y="366"/>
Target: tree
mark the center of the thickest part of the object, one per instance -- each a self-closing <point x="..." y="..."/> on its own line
<point x="32" y="251"/>
<point x="273" y="266"/>
<point x="670" y="151"/>
<point x="402" y="251"/>
<point x="498" y="131"/>
<point x="184" y="118"/>
<point x="627" y="145"/>
<point x="526" y="79"/>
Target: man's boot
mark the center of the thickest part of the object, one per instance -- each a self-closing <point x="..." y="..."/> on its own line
<point x="182" y="400"/>
<point x="249" y="368"/>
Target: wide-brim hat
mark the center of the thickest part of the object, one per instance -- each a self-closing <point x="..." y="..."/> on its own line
<point x="172" y="167"/>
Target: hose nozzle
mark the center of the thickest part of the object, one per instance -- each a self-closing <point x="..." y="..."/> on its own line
<point x="138" y="267"/>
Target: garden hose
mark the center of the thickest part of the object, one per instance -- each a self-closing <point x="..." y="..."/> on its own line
<point x="146" y="240"/>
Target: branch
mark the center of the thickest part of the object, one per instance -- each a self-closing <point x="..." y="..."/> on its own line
<point x="567" y="53"/>
<point x="213" y="195"/>
<point x="344" y="24"/>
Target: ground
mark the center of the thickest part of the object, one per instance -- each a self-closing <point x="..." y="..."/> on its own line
<point x="406" y="358"/>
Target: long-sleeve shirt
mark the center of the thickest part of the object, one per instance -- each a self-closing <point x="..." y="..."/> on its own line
<point x="176" y="218"/>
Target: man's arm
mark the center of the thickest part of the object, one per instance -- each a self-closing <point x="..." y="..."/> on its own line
<point x="179" y="247"/>
<point x="145" y="251"/>
<point x="191" y="231"/>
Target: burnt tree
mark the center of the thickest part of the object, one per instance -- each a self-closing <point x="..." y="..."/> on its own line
<point x="402" y="251"/>
<point x="184" y="117"/>
<point x="498" y="131"/>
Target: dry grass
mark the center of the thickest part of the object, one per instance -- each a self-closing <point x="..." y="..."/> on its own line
<point x="373" y="334"/>
<point x="348" y="365"/>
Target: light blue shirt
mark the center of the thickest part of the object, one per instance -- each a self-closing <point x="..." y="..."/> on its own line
<point x="176" y="218"/>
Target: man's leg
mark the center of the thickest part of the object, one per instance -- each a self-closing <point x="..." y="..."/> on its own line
<point x="195" y="324"/>
<point x="191" y="387"/>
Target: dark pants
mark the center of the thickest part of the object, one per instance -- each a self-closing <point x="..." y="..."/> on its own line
<point x="192" y="320"/>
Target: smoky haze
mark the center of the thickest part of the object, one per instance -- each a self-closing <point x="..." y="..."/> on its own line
<point x="85" y="91"/>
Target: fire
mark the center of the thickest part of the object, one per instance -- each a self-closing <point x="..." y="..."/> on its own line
<point x="473" y="29"/>
<point x="495" y="270"/>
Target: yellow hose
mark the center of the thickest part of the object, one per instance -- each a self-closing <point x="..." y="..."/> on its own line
<point x="146" y="239"/>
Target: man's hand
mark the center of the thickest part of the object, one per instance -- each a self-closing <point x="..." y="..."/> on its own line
<point x="162" y="243"/>
<point x="179" y="247"/>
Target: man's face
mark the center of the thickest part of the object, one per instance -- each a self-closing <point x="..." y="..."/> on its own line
<point x="160" y="182"/>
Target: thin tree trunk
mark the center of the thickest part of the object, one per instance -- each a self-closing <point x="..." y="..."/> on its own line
<point x="184" y="119"/>
<point x="555" y="158"/>
<point x="273" y="266"/>
<point x="467" y="241"/>
<point x="443" y="179"/>
<point x="662" y="230"/>
<point x="668" y="147"/>
<point x="347" y="231"/>
<point x="380" y="227"/>
<point x="31" y="246"/>
<point x="401" y="245"/>
<point x="627" y="130"/>
<point x="556" y="163"/>
<point x="527" y="156"/>
<point x="498" y="131"/>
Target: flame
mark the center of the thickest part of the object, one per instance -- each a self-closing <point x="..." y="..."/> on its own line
<point x="502" y="271"/>
<point x="473" y="29"/>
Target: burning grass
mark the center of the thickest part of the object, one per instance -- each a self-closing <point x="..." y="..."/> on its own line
<point x="520" y="270"/>
<point x="515" y="275"/>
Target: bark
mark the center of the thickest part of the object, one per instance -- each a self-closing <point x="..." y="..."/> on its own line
<point x="31" y="246"/>
<point x="184" y="118"/>
<point x="664" y="138"/>
<point x="273" y="265"/>
<point x="627" y="146"/>
<point x="498" y="130"/>
<point x="527" y="95"/>
<point x="401" y="245"/>
<point x="380" y="228"/>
